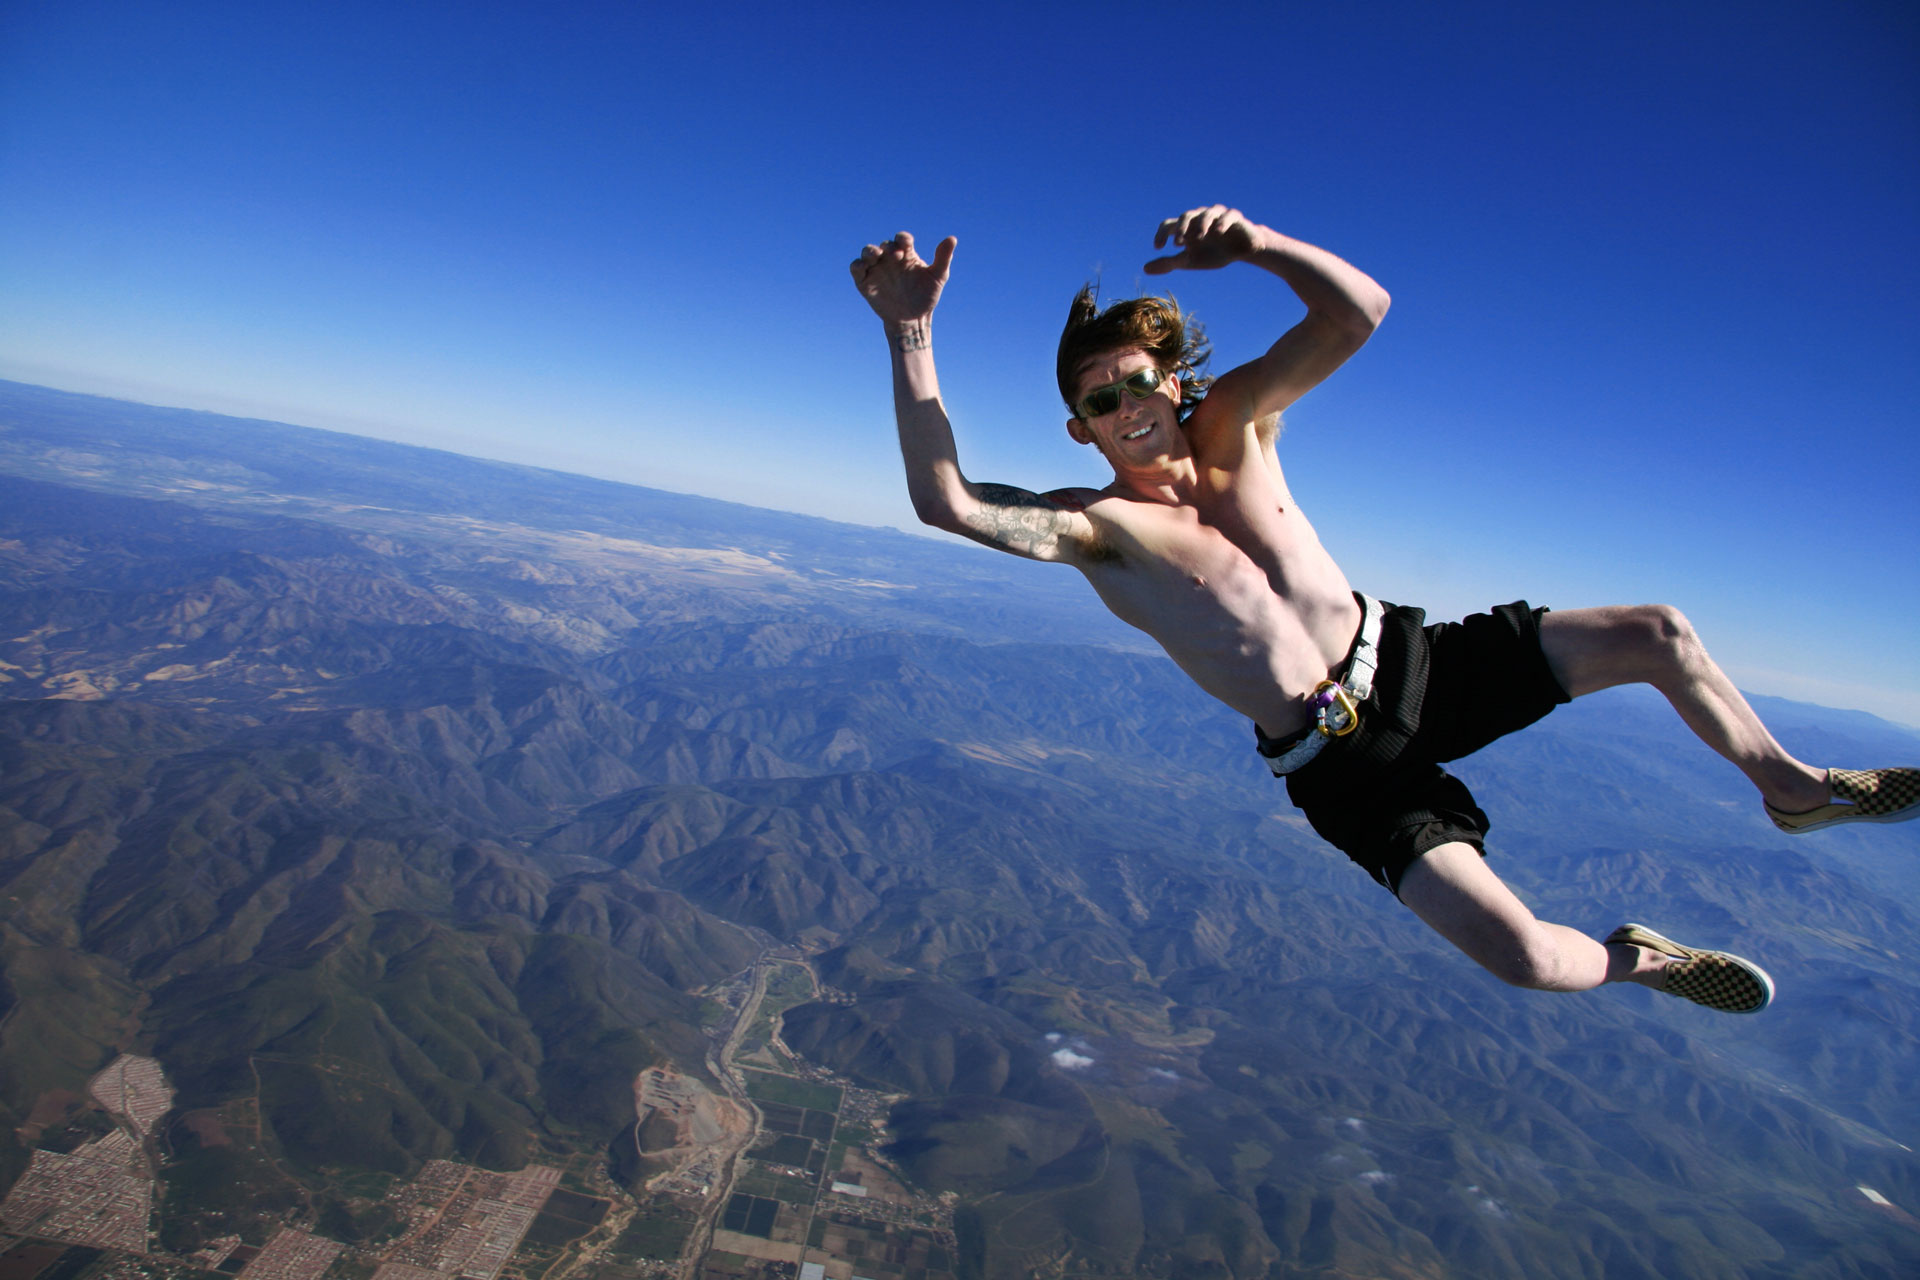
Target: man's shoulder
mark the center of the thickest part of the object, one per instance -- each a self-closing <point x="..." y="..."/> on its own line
<point x="1075" y="498"/>
<point x="1102" y="510"/>
<point x="1224" y="424"/>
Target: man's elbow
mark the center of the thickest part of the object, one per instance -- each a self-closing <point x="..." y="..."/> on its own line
<point x="1377" y="306"/>
<point x="1369" y="310"/>
<point x="937" y="510"/>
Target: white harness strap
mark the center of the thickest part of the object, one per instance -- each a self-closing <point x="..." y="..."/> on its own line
<point x="1366" y="650"/>
<point x="1337" y="704"/>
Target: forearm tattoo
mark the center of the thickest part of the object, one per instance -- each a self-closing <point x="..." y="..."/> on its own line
<point x="914" y="337"/>
<point x="1019" y="520"/>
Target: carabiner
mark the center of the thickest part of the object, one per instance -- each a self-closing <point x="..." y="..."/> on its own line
<point x="1334" y="711"/>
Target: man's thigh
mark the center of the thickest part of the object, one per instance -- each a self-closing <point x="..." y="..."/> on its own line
<point x="1458" y="895"/>
<point x="1592" y="649"/>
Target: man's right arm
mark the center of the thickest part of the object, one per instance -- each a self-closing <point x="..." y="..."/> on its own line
<point x="1344" y="307"/>
<point x="903" y="290"/>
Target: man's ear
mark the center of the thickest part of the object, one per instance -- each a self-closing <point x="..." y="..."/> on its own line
<point x="1176" y="388"/>
<point x="1078" y="430"/>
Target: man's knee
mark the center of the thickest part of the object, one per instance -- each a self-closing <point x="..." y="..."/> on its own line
<point x="1663" y="638"/>
<point x="1592" y="649"/>
<point x="1530" y="961"/>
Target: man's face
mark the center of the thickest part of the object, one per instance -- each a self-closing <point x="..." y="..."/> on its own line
<point x="1137" y="432"/>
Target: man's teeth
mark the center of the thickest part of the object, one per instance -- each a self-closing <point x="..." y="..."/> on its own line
<point x="1135" y="435"/>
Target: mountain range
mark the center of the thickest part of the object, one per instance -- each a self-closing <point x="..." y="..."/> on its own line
<point x="406" y="805"/>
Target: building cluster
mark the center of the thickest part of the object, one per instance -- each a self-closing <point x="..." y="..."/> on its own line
<point x="89" y="1196"/>
<point x="210" y="1255"/>
<point x="879" y="1211"/>
<point x="101" y="1193"/>
<point x="466" y="1222"/>
<point x="697" y="1177"/>
<point x="135" y="1089"/>
<point x="867" y="1107"/>
<point x="292" y="1255"/>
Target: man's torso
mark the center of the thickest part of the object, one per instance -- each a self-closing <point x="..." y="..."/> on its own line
<point x="1234" y="585"/>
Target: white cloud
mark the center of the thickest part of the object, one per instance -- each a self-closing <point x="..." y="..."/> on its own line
<point x="1068" y="1060"/>
<point x="1487" y="1204"/>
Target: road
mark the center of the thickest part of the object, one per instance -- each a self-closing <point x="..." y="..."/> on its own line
<point x="728" y="1152"/>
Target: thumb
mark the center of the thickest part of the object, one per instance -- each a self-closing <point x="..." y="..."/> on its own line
<point x="1161" y="266"/>
<point x="943" y="255"/>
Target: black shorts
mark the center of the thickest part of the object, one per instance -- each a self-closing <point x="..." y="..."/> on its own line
<point x="1441" y="692"/>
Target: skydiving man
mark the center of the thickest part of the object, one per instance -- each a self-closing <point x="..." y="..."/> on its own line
<point x="1357" y="704"/>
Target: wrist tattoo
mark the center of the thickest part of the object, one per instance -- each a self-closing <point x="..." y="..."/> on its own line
<point x="914" y="337"/>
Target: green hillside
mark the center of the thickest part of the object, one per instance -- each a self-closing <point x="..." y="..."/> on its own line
<point x="407" y="808"/>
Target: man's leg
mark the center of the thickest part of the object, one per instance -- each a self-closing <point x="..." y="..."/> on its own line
<point x="1592" y="649"/>
<point x="1453" y="890"/>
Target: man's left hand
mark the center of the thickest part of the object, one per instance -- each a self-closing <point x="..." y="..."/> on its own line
<point x="1207" y="238"/>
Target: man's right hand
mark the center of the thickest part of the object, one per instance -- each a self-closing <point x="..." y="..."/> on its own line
<point x="897" y="283"/>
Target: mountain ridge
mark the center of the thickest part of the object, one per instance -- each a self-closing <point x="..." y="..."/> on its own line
<point x="361" y="798"/>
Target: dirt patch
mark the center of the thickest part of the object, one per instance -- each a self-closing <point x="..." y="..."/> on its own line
<point x="677" y="1112"/>
<point x="876" y="1178"/>
<point x="206" y="1128"/>
<point x="50" y="1111"/>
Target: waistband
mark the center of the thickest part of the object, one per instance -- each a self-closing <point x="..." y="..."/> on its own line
<point x="1336" y="702"/>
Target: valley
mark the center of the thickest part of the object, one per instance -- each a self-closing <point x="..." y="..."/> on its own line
<point x="800" y="895"/>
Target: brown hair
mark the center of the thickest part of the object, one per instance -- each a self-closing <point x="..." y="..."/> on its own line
<point x="1176" y="342"/>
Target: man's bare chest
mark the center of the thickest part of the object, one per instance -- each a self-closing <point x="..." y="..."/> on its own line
<point x="1222" y="540"/>
<point x="1180" y="567"/>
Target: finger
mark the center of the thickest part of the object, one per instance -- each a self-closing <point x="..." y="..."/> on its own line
<point x="903" y="241"/>
<point x="943" y="256"/>
<point x="1161" y="266"/>
<point x="1167" y="228"/>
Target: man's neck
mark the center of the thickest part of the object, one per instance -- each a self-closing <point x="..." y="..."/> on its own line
<point x="1174" y="485"/>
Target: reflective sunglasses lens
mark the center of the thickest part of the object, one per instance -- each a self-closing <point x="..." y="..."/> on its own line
<point x="1104" y="400"/>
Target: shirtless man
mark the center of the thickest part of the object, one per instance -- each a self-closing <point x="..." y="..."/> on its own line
<point x="1198" y="543"/>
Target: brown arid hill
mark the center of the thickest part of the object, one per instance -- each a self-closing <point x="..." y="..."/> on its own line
<point x="412" y="801"/>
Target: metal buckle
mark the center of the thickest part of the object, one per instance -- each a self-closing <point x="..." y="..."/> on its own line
<point x="1335" y="714"/>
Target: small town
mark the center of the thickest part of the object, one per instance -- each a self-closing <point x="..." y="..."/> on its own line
<point x="777" y="1174"/>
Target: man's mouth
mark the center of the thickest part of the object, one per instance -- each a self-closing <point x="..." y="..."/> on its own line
<point x="1135" y="435"/>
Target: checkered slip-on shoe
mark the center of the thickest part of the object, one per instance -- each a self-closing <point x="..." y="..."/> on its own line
<point x="1877" y="795"/>
<point x="1712" y="978"/>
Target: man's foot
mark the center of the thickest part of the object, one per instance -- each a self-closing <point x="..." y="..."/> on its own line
<point x="1712" y="978"/>
<point x="1876" y="795"/>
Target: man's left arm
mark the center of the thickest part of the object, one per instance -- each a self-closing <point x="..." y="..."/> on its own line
<point x="1344" y="306"/>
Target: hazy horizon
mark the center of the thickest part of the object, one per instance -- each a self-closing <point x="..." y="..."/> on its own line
<point x="1785" y="685"/>
<point x="1652" y="268"/>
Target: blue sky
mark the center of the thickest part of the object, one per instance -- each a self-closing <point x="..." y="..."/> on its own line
<point x="1654" y="265"/>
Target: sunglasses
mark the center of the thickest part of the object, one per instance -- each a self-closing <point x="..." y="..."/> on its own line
<point x="1101" y="401"/>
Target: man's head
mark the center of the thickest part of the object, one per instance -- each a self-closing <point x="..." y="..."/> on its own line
<point x="1174" y="342"/>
